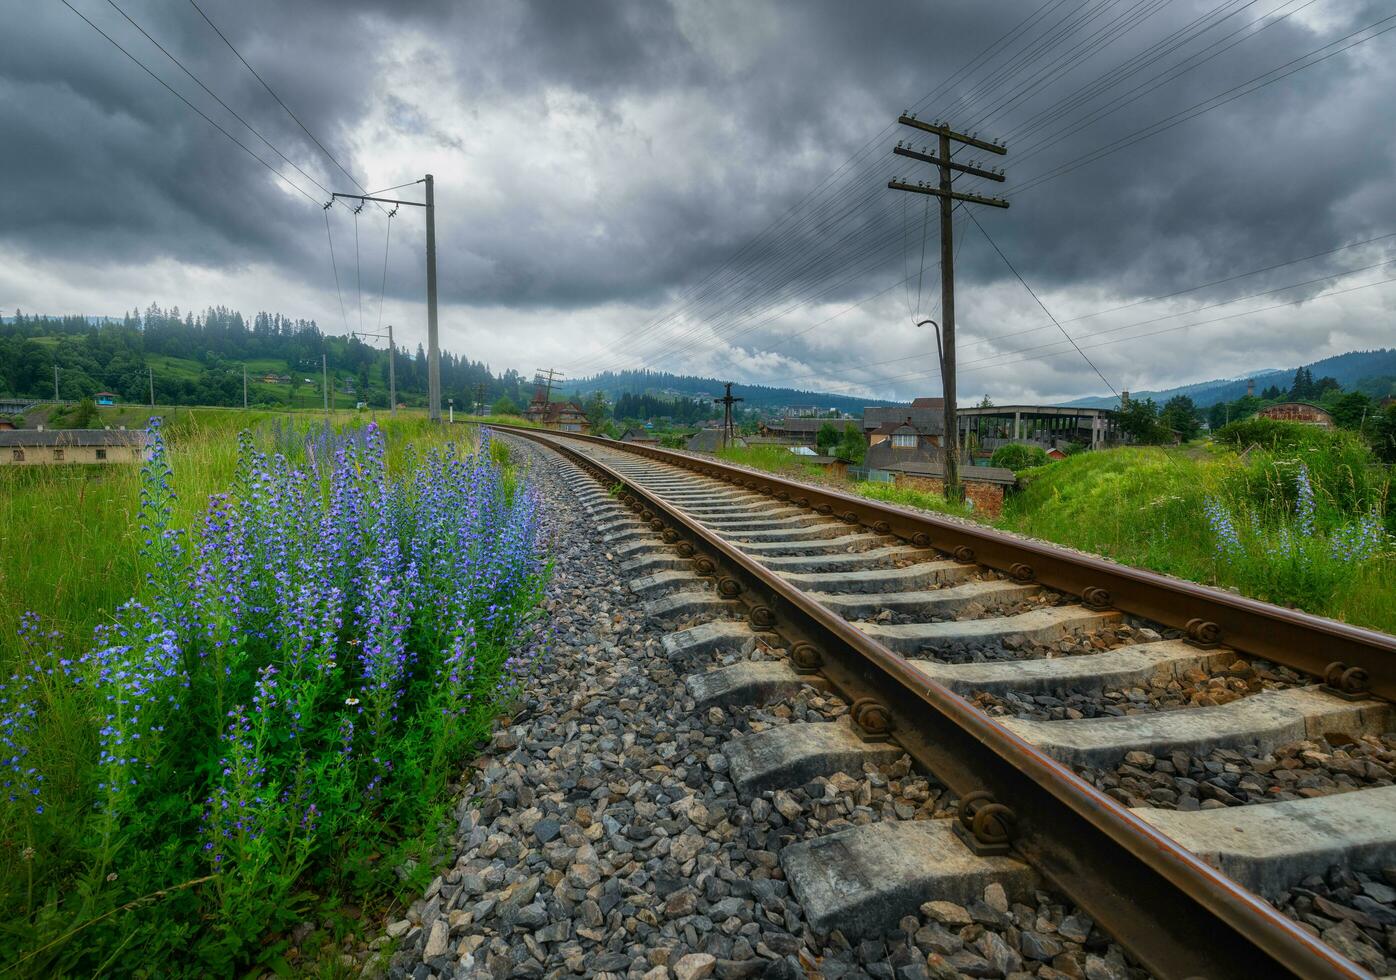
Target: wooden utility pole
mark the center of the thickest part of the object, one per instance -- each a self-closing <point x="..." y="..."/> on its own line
<point x="244" y="387"/>
<point x="729" y="433"/>
<point x="946" y="333"/>
<point x="150" y="371"/>
<point x="56" y="398"/>
<point x="433" y="341"/>
<point x="325" y="382"/>
<point x="548" y="377"/>
<point x="479" y="398"/>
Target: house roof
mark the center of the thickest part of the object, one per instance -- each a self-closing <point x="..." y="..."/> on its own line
<point x="59" y="438"/>
<point x="710" y="441"/>
<point x="930" y="420"/>
<point x="638" y="435"/>
<point x="938" y="403"/>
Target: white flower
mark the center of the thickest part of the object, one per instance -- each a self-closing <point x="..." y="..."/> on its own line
<point x="351" y="701"/>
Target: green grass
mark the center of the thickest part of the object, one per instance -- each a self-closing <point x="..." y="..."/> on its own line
<point x="907" y="497"/>
<point x="69" y="536"/>
<point x="1148" y="507"/>
<point x="76" y="898"/>
<point x="772" y="459"/>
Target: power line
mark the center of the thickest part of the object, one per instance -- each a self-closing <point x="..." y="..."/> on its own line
<point x="214" y="96"/>
<point x="273" y="94"/>
<point x="335" y="265"/>
<point x="191" y="105"/>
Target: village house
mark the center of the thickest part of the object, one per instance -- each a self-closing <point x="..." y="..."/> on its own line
<point x="565" y="416"/>
<point x="27" y="447"/>
<point x="1304" y="412"/>
<point x="894" y="443"/>
<point x="639" y="437"/>
<point x="105" y="398"/>
<point x="710" y="441"/>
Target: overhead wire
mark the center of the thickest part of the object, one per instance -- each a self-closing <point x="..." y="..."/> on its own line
<point x="272" y="93"/>
<point x="335" y="266"/>
<point x="198" y="81"/>
<point x="207" y="118"/>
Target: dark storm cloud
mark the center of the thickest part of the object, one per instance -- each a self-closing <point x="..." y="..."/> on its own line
<point x="614" y="153"/>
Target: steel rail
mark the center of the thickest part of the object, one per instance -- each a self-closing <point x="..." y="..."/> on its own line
<point x="1179" y="916"/>
<point x="1350" y="658"/>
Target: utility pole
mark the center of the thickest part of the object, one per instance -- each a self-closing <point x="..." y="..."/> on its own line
<point x="433" y="345"/>
<point x="549" y="377"/>
<point x="479" y="398"/>
<point x="55" y="384"/>
<point x="244" y="387"/>
<point x="945" y="339"/>
<point x="392" y="368"/>
<point x="433" y="341"/>
<point x="150" y="371"/>
<point x="325" y="383"/>
<point x="729" y="434"/>
<point x="392" y="373"/>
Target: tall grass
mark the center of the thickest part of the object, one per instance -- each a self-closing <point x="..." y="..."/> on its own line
<point x="773" y="459"/>
<point x="270" y="725"/>
<point x="1298" y="526"/>
<point x="69" y="536"/>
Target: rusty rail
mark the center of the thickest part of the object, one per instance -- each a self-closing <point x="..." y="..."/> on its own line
<point x="1179" y="916"/>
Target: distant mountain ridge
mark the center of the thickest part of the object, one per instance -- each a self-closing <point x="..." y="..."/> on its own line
<point x="616" y="383"/>
<point x="1355" y="370"/>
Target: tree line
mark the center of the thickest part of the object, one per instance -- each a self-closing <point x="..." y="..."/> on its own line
<point x="122" y="356"/>
<point x="1146" y="422"/>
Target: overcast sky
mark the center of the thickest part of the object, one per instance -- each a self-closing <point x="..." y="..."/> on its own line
<point x="608" y="175"/>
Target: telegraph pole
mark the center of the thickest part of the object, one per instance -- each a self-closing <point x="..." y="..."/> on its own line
<point x="548" y="377"/>
<point x="244" y="387"/>
<point x="55" y="384"/>
<point x="729" y="434"/>
<point x="325" y="383"/>
<point x="150" y="371"/>
<point x="479" y="398"/>
<point x="946" y="339"/>
<point x="433" y="341"/>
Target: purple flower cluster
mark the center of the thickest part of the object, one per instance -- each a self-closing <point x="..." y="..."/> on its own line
<point x="338" y="619"/>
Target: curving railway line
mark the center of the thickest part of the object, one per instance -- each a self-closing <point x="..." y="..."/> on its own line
<point x="1097" y="723"/>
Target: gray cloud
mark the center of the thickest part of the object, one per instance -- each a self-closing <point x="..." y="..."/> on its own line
<point x="596" y="161"/>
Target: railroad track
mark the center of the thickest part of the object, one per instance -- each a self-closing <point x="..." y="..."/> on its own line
<point x="1068" y="703"/>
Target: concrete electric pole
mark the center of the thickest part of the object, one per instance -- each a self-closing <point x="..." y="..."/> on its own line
<point x="953" y="489"/>
<point x="433" y="340"/>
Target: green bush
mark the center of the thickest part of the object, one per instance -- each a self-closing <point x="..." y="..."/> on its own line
<point x="1017" y="456"/>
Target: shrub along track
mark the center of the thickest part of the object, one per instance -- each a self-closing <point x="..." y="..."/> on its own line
<point x="901" y="615"/>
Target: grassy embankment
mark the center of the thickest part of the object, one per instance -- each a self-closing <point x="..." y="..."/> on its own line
<point x="1243" y="520"/>
<point x="266" y="737"/>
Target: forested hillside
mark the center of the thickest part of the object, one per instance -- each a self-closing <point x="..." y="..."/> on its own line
<point x="617" y="383"/>
<point x="199" y="360"/>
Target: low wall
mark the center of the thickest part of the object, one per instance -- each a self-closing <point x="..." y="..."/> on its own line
<point x="986" y="497"/>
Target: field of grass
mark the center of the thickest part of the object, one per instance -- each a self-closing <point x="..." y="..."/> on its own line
<point x="268" y="733"/>
<point x="772" y="459"/>
<point x="1302" y="519"/>
<point x="69" y="538"/>
<point x="1296" y="527"/>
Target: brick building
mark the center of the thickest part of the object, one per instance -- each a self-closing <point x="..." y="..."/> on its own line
<point x="1304" y="412"/>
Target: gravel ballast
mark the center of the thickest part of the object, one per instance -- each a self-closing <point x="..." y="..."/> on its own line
<point x="600" y="835"/>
